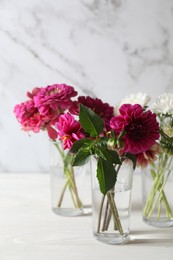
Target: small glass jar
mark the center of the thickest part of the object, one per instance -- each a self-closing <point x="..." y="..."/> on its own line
<point x="70" y="186"/>
<point x="157" y="192"/>
<point x="111" y="212"/>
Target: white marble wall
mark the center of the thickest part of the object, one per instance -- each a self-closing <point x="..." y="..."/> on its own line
<point x="105" y="48"/>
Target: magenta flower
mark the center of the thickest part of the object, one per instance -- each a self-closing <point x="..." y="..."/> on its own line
<point x="29" y="117"/>
<point x="53" y="100"/>
<point x="140" y="128"/>
<point x="24" y="110"/>
<point x="69" y="130"/>
<point x="44" y="107"/>
<point x="33" y="93"/>
<point x="34" y="123"/>
<point x="104" y="110"/>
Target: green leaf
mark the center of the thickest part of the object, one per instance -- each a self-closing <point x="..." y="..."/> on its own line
<point x="112" y="134"/>
<point x="106" y="175"/>
<point x="81" y="157"/>
<point x="109" y="155"/>
<point x="103" y="140"/>
<point x="132" y="157"/>
<point x="79" y="144"/>
<point x="91" y="123"/>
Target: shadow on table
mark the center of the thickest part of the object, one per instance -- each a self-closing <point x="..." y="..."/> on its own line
<point x="136" y="207"/>
<point x="152" y="237"/>
<point x="87" y="211"/>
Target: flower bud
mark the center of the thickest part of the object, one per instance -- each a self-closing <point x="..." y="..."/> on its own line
<point x="120" y="144"/>
<point x="112" y="144"/>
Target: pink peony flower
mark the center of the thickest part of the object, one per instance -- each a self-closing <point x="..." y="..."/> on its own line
<point x="104" y="110"/>
<point x="147" y="157"/>
<point x="140" y="127"/>
<point x="69" y="130"/>
<point x="54" y="100"/>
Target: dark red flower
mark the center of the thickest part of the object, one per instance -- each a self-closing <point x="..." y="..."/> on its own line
<point x="104" y="110"/>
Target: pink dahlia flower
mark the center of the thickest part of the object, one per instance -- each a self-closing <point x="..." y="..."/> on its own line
<point x="54" y="100"/>
<point x="69" y="130"/>
<point x="140" y="128"/>
<point x="104" y="110"/>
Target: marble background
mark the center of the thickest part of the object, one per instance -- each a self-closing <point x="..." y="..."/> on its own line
<point x="104" y="48"/>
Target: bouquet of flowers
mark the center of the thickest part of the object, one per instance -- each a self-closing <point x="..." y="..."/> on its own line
<point x="130" y="135"/>
<point x="88" y="127"/>
<point x="157" y="205"/>
<point x="54" y="110"/>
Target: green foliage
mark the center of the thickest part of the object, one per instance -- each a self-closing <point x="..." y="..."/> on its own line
<point x="100" y="148"/>
<point x="106" y="175"/>
<point x="91" y="123"/>
<point x="81" y="157"/>
<point x="109" y="155"/>
<point x="132" y="157"/>
<point x="84" y="142"/>
<point x="166" y="143"/>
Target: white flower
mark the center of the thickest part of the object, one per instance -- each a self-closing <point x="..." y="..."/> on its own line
<point x="164" y="104"/>
<point x="138" y="98"/>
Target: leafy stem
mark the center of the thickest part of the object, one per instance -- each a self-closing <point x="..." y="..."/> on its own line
<point x="114" y="210"/>
<point x="108" y="213"/>
<point x="157" y="197"/>
<point x="70" y="179"/>
<point x="100" y="214"/>
<point x="103" y="148"/>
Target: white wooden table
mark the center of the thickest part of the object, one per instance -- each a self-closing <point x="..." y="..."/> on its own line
<point x="29" y="230"/>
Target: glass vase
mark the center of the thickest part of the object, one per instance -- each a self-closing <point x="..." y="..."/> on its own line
<point x="111" y="212"/>
<point x="157" y="192"/>
<point x="70" y="186"/>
